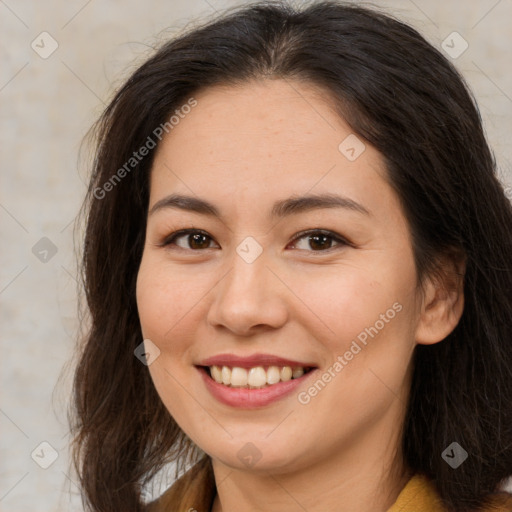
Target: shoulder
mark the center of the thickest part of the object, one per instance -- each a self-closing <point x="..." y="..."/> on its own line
<point x="194" y="490"/>
<point x="500" y="502"/>
<point x="420" y="495"/>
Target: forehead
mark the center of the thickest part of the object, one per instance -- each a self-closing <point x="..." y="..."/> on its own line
<point x="263" y="139"/>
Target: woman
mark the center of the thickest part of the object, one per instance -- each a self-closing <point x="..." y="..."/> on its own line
<point x="297" y="269"/>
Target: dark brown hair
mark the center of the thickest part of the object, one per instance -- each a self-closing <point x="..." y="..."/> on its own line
<point x="402" y="96"/>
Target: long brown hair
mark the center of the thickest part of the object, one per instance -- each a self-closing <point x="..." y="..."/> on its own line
<point x="402" y="96"/>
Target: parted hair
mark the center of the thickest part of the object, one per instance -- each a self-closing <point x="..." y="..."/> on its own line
<point x="401" y="95"/>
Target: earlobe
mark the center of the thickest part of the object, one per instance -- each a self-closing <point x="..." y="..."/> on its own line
<point x="443" y="302"/>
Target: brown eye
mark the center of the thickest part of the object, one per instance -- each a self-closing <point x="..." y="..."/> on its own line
<point x="312" y="240"/>
<point x="194" y="239"/>
<point x="318" y="241"/>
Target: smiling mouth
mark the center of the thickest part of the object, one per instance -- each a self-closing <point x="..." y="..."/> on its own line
<point x="256" y="377"/>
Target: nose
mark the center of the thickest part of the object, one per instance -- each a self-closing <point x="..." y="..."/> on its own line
<point x="249" y="298"/>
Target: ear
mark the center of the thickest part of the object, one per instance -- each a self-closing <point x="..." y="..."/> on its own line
<point x="443" y="299"/>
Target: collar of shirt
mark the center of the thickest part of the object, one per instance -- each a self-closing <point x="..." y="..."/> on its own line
<point x="195" y="492"/>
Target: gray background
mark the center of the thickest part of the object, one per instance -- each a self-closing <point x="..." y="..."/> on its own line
<point x="47" y="105"/>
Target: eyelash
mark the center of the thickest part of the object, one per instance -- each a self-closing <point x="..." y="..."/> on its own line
<point x="169" y="240"/>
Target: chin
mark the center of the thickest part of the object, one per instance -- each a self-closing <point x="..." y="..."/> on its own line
<point x="258" y="456"/>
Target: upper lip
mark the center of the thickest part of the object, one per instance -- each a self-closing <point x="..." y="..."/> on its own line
<point x="252" y="361"/>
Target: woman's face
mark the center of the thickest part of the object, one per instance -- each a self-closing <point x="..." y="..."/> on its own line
<point x="251" y="296"/>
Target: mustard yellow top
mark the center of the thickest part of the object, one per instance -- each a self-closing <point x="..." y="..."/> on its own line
<point x="195" y="490"/>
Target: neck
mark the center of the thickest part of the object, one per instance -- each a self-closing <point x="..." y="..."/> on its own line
<point x="368" y="474"/>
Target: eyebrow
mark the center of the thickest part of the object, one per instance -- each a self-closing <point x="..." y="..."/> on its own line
<point x="283" y="208"/>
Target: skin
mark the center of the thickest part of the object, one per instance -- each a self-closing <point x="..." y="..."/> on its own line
<point x="243" y="148"/>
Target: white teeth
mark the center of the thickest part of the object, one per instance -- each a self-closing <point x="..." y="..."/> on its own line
<point x="226" y="375"/>
<point x="297" y="372"/>
<point x="286" y="373"/>
<point x="256" y="377"/>
<point x="216" y="374"/>
<point x="238" y="377"/>
<point x="273" y="375"/>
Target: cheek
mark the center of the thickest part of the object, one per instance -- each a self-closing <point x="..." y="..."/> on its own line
<point x="152" y="297"/>
<point x="171" y="305"/>
<point x="163" y="299"/>
<point x="375" y="342"/>
<point x="368" y="313"/>
<point x="340" y="303"/>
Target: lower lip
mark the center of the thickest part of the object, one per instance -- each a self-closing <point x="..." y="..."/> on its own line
<point x="246" y="398"/>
